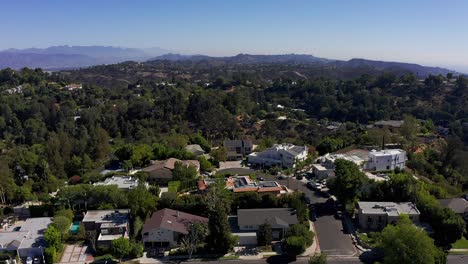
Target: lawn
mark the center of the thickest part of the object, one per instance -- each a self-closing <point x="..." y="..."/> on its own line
<point x="462" y="243"/>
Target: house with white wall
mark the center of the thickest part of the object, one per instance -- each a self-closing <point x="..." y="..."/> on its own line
<point x="281" y="155"/>
<point x="387" y="159"/>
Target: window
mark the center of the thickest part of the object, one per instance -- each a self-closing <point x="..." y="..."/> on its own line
<point x="380" y="218"/>
<point x="369" y="219"/>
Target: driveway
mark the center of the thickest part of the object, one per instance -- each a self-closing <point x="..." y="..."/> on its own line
<point x="76" y="254"/>
<point x="332" y="236"/>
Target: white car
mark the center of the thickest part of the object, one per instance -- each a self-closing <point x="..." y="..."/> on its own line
<point x="29" y="260"/>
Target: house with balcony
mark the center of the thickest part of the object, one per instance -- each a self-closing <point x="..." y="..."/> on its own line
<point x="108" y="224"/>
<point x="281" y="155"/>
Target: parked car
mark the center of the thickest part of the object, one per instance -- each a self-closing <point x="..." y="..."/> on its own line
<point x="299" y="177"/>
<point x="307" y="200"/>
<point x="29" y="260"/>
<point x="261" y="178"/>
<point x="281" y="177"/>
<point x="310" y="184"/>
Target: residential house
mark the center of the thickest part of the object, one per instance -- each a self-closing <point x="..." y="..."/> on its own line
<point x="161" y="170"/>
<point x="282" y="155"/>
<point x="328" y="160"/>
<point x="240" y="184"/>
<point x="73" y="86"/>
<point x="320" y="172"/>
<point x="387" y="159"/>
<point x="237" y="149"/>
<point x="280" y="219"/>
<point x="195" y="149"/>
<point x="28" y="241"/>
<point x="108" y="224"/>
<point x="122" y="182"/>
<point x="458" y="205"/>
<point x="166" y="227"/>
<point x="376" y="215"/>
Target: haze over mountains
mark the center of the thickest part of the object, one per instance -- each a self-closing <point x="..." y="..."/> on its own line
<point x="63" y="57"/>
<point x="57" y="57"/>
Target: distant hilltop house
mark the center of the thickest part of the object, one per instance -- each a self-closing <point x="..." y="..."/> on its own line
<point x="240" y="184"/>
<point x="122" y="182"/>
<point x="73" y="86"/>
<point x="161" y="170"/>
<point x="28" y="241"/>
<point x="328" y="160"/>
<point x="195" y="149"/>
<point x="391" y="124"/>
<point x="387" y="159"/>
<point x="281" y="155"/>
<point x="376" y="215"/>
<point x="15" y="90"/>
<point x="237" y="149"/>
<point x="166" y="227"/>
<point x="108" y="224"/>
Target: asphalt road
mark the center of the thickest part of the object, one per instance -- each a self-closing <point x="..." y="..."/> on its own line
<point x="332" y="237"/>
<point x="452" y="259"/>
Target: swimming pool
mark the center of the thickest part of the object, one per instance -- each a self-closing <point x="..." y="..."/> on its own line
<point x="75" y="227"/>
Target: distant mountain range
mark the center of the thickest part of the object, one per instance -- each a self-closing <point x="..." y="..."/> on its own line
<point x="58" y="57"/>
<point x="380" y="66"/>
<point x="63" y="57"/>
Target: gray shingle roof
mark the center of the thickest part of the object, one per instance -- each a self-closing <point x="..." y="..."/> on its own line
<point x="458" y="205"/>
<point x="275" y="216"/>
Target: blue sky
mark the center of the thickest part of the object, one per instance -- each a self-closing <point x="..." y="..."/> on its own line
<point x="426" y="32"/>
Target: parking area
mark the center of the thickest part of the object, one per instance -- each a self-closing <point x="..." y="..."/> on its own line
<point x="76" y="254"/>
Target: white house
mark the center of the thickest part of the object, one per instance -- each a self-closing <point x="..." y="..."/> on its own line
<point x="387" y="159"/>
<point x="166" y="227"/>
<point x="122" y="182"/>
<point x="283" y="155"/>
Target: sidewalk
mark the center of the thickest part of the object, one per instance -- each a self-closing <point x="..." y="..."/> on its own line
<point x="315" y="247"/>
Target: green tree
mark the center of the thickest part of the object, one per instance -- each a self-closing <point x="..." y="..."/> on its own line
<point x="182" y="172"/>
<point x="62" y="223"/>
<point x="68" y="213"/>
<point x="300" y="230"/>
<point x="294" y="246"/>
<point x="52" y="237"/>
<point x="197" y="233"/>
<point x="205" y="165"/>
<point x="50" y="255"/>
<point x="348" y="181"/>
<point x="142" y="202"/>
<point x="120" y="248"/>
<point x="398" y="243"/>
<point x="264" y="234"/>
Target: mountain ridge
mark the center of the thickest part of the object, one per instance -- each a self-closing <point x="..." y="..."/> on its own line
<point x="241" y="58"/>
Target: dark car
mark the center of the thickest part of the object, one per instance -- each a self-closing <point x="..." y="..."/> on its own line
<point x="261" y="178"/>
<point x="307" y="200"/>
<point x="281" y="177"/>
<point x="299" y="177"/>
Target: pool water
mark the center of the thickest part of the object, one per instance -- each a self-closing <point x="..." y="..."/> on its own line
<point x="74" y="228"/>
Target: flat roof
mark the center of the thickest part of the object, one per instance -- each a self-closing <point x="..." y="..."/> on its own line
<point x="35" y="229"/>
<point x="389" y="208"/>
<point x="319" y="167"/>
<point x="386" y="152"/>
<point x="106" y="216"/>
<point x="122" y="182"/>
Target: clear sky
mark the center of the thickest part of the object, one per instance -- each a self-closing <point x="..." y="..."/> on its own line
<point x="427" y="32"/>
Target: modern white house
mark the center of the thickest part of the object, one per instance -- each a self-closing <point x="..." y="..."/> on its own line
<point x="282" y="155"/>
<point x="387" y="159"/>
<point x="122" y="182"/>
